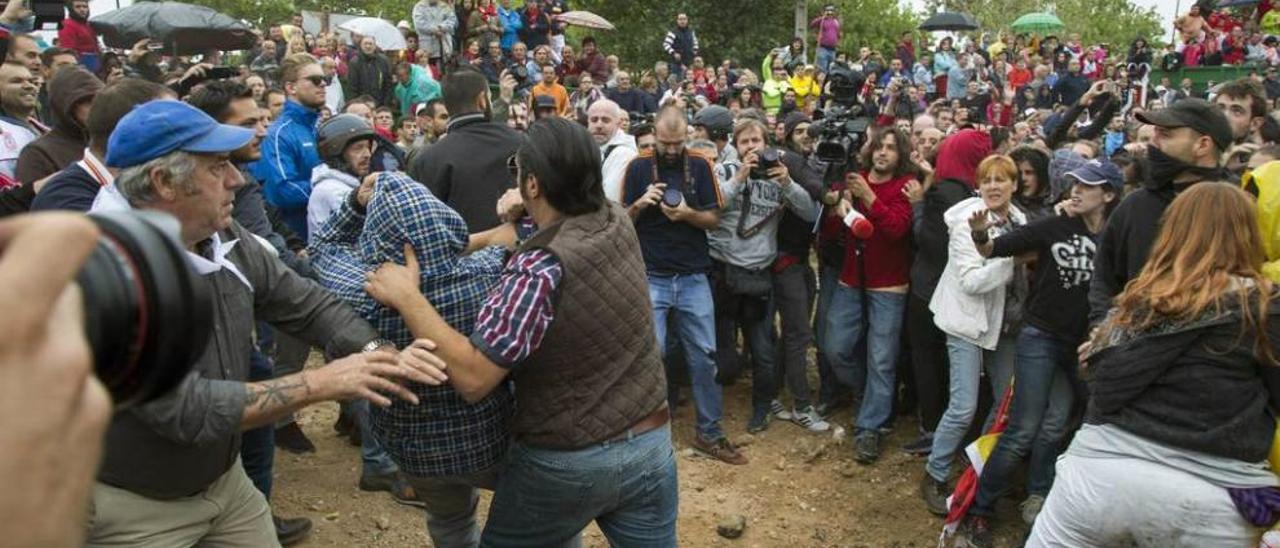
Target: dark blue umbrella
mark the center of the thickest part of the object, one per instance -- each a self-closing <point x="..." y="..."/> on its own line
<point x="184" y="29"/>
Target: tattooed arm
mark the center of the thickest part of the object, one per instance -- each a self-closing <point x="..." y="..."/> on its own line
<point x="368" y="375"/>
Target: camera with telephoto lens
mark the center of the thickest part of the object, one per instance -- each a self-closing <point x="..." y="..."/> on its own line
<point x="147" y="314"/>
<point x="844" y="124"/>
<point x="766" y="159"/>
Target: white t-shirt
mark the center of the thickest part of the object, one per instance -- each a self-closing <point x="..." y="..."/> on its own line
<point x="13" y="138"/>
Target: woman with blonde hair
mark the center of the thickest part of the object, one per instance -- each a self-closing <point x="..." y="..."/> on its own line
<point x="1183" y="383"/>
<point x="977" y="305"/>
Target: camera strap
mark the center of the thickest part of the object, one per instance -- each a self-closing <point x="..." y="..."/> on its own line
<point x="747" y="232"/>
<point x="686" y="185"/>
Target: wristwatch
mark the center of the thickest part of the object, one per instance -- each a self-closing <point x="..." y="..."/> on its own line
<point x="376" y="344"/>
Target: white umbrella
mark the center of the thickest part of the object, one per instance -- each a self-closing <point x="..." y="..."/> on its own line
<point x="386" y="35"/>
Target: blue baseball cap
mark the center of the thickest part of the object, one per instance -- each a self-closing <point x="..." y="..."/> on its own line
<point x="1097" y="173"/>
<point x="156" y="128"/>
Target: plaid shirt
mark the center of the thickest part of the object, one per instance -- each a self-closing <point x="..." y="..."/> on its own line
<point x="444" y="435"/>
<point x="516" y="316"/>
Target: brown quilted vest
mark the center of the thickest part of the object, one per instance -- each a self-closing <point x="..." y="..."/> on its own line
<point x="598" y="370"/>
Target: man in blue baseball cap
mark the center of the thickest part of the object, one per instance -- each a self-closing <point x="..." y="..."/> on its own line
<point x="171" y="473"/>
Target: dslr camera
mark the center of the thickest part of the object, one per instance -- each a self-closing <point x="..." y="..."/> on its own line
<point x="766" y="159"/>
<point x="147" y="314"/>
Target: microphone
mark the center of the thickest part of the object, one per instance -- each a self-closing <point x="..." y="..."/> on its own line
<point x="859" y="225"/>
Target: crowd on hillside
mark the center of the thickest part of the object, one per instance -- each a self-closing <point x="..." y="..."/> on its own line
<point x="520" y="253"/>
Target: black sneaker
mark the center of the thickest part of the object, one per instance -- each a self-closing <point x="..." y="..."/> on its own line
<point x="935" y="494"/>
<point x="290" y="438"/>
<point x="291" y="530"/>
<point x="393" y="483"/>
<point x="976" y="532"/>
<point x="920" y="447"/>
<point x="759" y="421"/>
<point x="866" y="448"/>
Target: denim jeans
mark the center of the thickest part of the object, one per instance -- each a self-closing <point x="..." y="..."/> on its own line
<point x="825" y="57"/>
<point x="687" y="298"/>
<point x="793" y="294"/>
<point x="967" y="363"/>
<point x="627" y="486"/>
<point x="1038" y="416"/>
<point x="830" y="388"/>
<point x="876" y="367"/>
<point x="451" y="506"/>
<point x="258" y="446"/>
<point x="376" y="461"/>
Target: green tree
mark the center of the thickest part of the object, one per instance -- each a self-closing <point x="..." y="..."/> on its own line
<point x="744" y="30"/>
<point x="1116" y="22"/>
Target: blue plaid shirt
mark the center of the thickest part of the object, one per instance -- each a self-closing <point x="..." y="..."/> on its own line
<point x="444" y="435"/>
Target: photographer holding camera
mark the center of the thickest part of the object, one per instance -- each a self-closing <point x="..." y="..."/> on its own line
<point x="171" y="475"/>
<point x="744" y="244"/>
<point x="56" y="409"/>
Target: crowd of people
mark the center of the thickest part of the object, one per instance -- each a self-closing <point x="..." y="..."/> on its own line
<point x="516" y="253"/>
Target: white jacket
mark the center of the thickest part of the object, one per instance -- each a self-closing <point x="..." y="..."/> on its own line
<point x="426" y="19"/>
<point x="969" y="300"/>
<point x="329" y="187"/>
<point x="615" y="164"/>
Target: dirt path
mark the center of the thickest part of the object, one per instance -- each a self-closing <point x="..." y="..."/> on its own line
<point x="799" y="490"/>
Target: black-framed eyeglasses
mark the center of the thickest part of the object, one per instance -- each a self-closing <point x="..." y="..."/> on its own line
<point x="512" y="166"/>
<point x="318" y="81"/>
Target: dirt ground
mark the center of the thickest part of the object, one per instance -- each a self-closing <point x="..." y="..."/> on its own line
<point x="800" y="490"/>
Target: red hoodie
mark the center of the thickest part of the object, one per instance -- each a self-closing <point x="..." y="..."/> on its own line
<point x="77" y="36"/>
<point x="888" y="254"/>
<point x="960" y="154"/>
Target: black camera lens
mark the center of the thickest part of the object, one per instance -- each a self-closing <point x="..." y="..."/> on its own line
<point x="147" y="313"/>
<point x="672" y="197"/>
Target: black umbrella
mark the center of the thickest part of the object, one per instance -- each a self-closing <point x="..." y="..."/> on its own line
<point x="184" y="29"/>
<point x="950" y="21"/>
<point x="1236" y="3"/>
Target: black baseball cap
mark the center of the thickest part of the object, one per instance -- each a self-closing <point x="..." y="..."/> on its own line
<point x="1197" y="114"/>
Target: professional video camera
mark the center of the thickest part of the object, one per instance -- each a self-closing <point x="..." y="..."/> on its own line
<point x="844" y="123"/>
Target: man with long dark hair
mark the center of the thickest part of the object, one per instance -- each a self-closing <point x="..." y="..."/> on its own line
<point x="570" y="324"/>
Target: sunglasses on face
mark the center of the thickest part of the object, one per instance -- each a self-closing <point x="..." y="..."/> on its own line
<point x="318" y="80"/>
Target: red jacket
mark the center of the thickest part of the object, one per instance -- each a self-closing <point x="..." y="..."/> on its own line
<point x="77" y="36"/>
<point x="888" y="253"/>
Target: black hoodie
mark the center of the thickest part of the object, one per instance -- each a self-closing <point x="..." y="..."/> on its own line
<point x="1127" y="239"/>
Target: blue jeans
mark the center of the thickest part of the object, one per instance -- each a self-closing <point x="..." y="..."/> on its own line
<point x="627" y="486"/>
<point x="258" y="446"/>
<point x="967" y="363"/>
<point x="825" y="57"/>
<point x="687" y="298"/>
<point x="830" y="389"/>
<point x="876" y="367"/>
<point x="376" y="461"/>
<point x="1038" y="416"/>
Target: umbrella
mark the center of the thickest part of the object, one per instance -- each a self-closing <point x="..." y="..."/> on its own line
<point x="1236" y="3"/>
<point x="1035" y="22"/>
<point x="184" y="29"/>
<point x="384" y="34"/>
<point x="950" y="21"/>
<point x="585" y="19"/>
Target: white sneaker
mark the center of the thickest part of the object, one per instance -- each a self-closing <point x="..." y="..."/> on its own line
<point x="1031" y="508"/>
<point x="810" y="419"/>
<point x="779" y="412"/>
